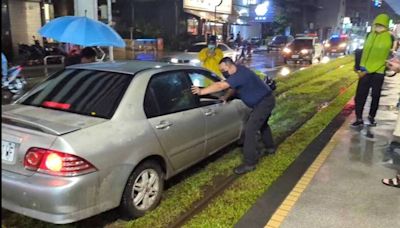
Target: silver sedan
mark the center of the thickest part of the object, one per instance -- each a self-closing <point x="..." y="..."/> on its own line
<point x="97" y="136"/>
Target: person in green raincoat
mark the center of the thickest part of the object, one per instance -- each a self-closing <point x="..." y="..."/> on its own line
<point x="377" y="48"/>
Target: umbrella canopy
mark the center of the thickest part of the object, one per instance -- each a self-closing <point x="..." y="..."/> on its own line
<point x="82" y="31"/>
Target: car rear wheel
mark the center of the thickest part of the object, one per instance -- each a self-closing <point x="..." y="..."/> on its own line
<point x="143" y="191"/>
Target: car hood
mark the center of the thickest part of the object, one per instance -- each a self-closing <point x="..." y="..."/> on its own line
<point x="50" y="121"/>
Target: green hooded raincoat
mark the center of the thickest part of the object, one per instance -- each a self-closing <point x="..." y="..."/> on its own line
<point x="377" y="47"/>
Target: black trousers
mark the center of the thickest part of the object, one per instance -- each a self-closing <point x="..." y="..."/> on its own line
<point x="258" y="121"/>
<point x="372" y="81"/>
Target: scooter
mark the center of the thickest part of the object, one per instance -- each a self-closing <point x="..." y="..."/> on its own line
<point x="13" y="86"/>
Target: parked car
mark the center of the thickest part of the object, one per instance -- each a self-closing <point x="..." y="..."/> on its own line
<point x="279" y="42"/>
<point x="256" y="41"/>
<point x="303" y="49"/>
<point x="337" y="44"/>
<point x="97" y="136"/>
<point x="190" y="56"/>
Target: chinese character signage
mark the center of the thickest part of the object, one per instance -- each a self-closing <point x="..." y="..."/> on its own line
<point x="209" y="5"/>
<point x="263" y="12"/>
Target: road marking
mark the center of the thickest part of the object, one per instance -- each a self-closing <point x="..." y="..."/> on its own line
<point x="287" y="205"/>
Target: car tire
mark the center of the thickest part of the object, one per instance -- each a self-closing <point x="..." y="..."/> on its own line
<point x="150" y="193"/>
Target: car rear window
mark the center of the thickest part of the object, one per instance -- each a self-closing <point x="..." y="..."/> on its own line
<point x="197" y="48"/>
<point x="86" y="92"/>
<point x="280" y="39"/>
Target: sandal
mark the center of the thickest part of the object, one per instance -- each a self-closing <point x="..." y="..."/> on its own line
<point x="394" y="182"/>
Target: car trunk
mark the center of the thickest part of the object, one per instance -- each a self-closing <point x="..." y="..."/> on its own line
<point x="24" y="127"/>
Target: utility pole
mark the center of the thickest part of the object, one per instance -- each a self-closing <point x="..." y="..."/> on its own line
<point x="109" y="16"/>
<point x="215" y="18"/>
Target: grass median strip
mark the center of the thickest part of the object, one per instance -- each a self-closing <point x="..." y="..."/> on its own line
<point x="226" y="210"/>
<point x="295" y="79"/>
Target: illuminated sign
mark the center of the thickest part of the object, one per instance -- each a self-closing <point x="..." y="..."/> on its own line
<point x="209" y="5"/>
<point x="377" y="3"/>
<point x="262" y="9"/>
<point x="263" y="12"/>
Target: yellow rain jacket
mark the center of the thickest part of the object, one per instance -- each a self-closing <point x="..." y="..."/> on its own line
<point x="211" y="62"/>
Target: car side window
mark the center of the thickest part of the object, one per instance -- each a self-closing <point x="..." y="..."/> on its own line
<point x="222" y="47"/>
<point x="203" y="79"/>
<point x="167" y="93"/>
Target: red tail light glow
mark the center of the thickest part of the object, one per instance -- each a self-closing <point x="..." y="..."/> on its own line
<point x="52" y="104"/>
<point x="56" y="163"/>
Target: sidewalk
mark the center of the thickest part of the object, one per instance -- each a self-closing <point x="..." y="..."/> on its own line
<point x="337" y="184"/>
<point x="345" y="190"/>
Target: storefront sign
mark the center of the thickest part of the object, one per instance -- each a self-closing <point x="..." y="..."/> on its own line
<point x="263" y="12"/>
<point x="209" y="5"/>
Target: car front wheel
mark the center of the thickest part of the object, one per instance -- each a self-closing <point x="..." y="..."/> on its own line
<point x="144" y="189"/>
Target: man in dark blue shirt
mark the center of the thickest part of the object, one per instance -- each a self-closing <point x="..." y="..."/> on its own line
<point x="256" y="95"/>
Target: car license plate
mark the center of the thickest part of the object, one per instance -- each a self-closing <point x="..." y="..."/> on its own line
<point x="8" y="151"/>
<point x="295" y="56"/>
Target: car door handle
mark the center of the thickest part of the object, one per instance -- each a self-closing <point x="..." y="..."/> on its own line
<point x="209" y="112"/>
<point x="163" y="125"/>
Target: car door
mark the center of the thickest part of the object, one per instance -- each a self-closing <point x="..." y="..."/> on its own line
<point x="223" y="121"/>
<point x="178" y="122"/>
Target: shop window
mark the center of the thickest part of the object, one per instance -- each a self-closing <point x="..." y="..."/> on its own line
<point x="192" y="25"/>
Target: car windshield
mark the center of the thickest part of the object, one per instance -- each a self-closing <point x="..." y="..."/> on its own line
<point x="197" y="47"/>
<point x="302" y="43"/>
<point x="85" y="92"/>
<point x="279" y="39"/>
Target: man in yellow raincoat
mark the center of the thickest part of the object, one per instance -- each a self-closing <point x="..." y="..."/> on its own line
<point x="211" y="55"/>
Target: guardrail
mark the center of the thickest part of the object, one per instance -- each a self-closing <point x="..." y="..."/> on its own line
<point x="61" y="57"/>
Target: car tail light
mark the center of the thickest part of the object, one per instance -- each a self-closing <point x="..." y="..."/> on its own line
<point x="56" y="163"/>
<point x="52" y="104"/>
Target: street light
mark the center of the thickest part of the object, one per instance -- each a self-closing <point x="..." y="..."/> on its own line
<point x="215" y="17"/>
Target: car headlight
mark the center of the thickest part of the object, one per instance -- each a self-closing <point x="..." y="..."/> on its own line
<point x="194" y="61"/>
<point x="287" y="50"/>
<point x="342" y="45"/>
<point x="304" y="51"/>
<point x="174" y="60"/>
<point x="327" y="45"/>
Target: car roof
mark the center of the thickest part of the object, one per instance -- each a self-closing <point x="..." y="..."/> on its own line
<point x="126" y="67"/>
<point x="305" y="38"/>
<point x="131" y="66"/>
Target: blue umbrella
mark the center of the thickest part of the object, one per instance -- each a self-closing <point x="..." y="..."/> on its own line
<point x="81" y="31"/>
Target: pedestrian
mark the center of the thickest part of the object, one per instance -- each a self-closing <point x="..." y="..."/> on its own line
<point x="394" y="65"/>
<point x="257" y="96"/>
<point x="86" y="55"/>
<point x="238" y="39"/>
<point x="371" y="73"/>
<point x="4" y="68"/>
<point x="211" y="55"/>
